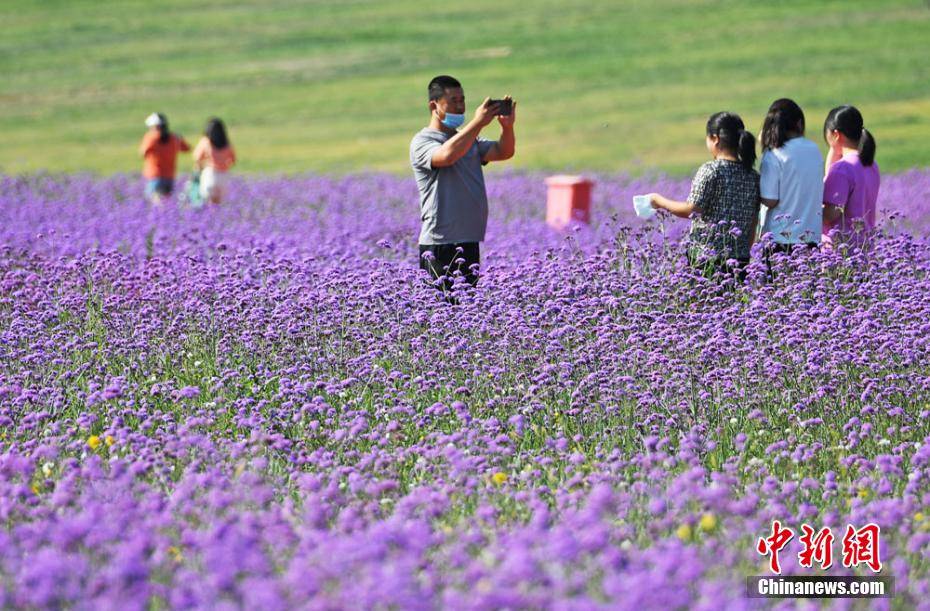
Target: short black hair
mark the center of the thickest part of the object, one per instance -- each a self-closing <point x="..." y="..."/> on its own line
<point x="439" y="84"/>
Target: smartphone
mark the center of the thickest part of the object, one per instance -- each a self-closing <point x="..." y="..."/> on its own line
<point x="506" y="106"/>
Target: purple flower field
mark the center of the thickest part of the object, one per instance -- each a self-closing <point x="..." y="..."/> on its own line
<point x="264" y="405"/>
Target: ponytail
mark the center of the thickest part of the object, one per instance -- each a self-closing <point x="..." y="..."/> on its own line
<point x="731" y="131"/>
<point x="165" y="134"/>
<point x="866" y="148"/>
<point x="747" y="149"/>
<point x="848" y="121"/>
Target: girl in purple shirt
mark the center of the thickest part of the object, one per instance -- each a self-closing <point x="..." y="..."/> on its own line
<point x="850" y="188"/>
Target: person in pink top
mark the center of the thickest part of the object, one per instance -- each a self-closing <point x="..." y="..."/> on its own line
<point x="850" y="187"/>
<point x="214" y="155"/>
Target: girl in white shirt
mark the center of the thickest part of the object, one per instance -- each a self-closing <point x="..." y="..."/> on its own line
<point x="791" y="183"/>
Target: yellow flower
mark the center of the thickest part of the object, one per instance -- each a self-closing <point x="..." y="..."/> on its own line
<point x="919" y="517"/>
<point x="109" y="440"/>
<point x="93" y="441"/>
<point x="176" y="553"/>
<point x="708" y="522"/>
<point x="863" y="493"/>
<point x="35" y="490"/>
<point x="684" y="532"/>
<point x="499" y="478"/>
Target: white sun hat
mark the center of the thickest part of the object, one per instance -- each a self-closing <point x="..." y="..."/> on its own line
<point x="153" y="120"/>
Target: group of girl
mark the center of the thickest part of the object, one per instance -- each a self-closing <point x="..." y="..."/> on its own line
<point x="796" y="197"/>
<point x="213" y="157"/>
<point x="799" y="198"/>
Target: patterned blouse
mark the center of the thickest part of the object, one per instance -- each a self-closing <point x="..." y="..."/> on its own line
<point x="726" y="197"/>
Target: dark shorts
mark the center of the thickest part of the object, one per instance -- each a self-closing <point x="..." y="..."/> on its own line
<point x="159" y="186"/>
<point x="443" y="262"/>
<point x="787" y="249"/>
<point x="720" y="266"/>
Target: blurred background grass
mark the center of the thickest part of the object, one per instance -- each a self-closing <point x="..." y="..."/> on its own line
<point x="339" y="86"/>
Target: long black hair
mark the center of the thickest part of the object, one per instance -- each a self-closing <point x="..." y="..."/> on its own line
<point x="848" y="121"/>
<point x="731" y="131"/>
<point x="215" y="131"/>
<point x="784" y="116"/>
<point x="164" y="132"/>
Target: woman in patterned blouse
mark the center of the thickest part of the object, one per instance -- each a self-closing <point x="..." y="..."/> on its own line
<point x="724" y="195"/>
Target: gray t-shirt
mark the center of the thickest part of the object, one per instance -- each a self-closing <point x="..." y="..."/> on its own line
<point x="453" y="200"/>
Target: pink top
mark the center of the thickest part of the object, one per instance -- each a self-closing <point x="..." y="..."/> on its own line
<point x="218" y="159"/>
<point x="854" y="188"/>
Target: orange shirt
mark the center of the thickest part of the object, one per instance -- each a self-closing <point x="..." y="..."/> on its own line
<point x="161" y="158"/>
<point x="218" y="159"/>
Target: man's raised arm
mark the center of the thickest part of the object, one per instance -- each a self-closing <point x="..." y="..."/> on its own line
<point x="455" y="147"/>
<point x="505" y="147"/>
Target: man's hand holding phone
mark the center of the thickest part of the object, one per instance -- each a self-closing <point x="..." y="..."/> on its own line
<point x="504" y="105"/>
<point x="486" y="112"/>
<point x="506" y="111"/>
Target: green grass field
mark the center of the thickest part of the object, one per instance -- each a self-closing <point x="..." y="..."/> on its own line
<point x="340" y="85"/>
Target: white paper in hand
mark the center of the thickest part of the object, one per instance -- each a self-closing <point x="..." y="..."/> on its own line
<point x="643" y="207"/>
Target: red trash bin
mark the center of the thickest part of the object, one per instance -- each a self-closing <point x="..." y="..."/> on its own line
<point x="568" y="200"/>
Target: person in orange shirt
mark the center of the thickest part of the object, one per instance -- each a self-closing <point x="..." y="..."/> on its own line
<point x="214" y="155"/>
<point x="160" y="150"/>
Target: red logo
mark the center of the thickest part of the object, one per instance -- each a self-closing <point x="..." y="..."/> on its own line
<point x="819" y="547"/>
<point x="859" y="546"/>
<point x="770" y="546"/>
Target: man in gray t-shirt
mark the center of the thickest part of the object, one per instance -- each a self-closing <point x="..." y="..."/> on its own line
<point x="447" y="157"/>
